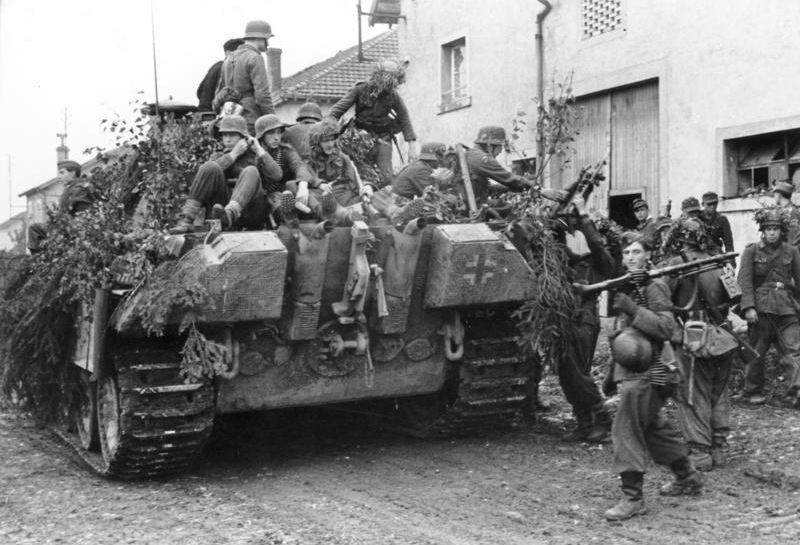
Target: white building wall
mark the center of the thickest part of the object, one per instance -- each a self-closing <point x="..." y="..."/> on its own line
<point x="724" y="67"/>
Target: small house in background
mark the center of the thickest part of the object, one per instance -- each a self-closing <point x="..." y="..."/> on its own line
<point x="328" y="81"/>
<point x="12" y="234"/>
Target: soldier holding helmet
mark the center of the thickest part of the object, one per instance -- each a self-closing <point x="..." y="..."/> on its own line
<point x="769" y="275"/>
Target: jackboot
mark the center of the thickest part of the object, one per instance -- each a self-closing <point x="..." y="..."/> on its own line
<point x="700" y="457"/>
<point x="631" y="503"/>
<point x="224" y="215"/>
<point x="186" y="217"/>
<point x="688" y="481"/>
<point x="718" y="455"/>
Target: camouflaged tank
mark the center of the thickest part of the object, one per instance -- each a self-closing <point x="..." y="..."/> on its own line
<point x="417" y="315"/>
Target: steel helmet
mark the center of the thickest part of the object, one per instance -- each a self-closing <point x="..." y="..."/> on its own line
<point x="770" y="218"/>
<point x="321" y="130"/>
<point x="491" y="135"/>
<point x="233" y="123"/>
<point x="309" y="110"/>
<point x="258" y="29"/>
<point x="432" y="151"/>
<point x="632" y="350"/>
<point x="268" y="122"/>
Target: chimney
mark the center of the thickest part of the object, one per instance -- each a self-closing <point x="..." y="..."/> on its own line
<point x="274" y="71"/>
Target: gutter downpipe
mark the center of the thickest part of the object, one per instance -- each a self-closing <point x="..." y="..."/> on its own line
<point x="540" y="17"/>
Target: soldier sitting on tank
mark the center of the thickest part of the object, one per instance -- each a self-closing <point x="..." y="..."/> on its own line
<point x="425" y="171"/>
<point x="297" y="135"/>
<point x="77" y="197"/>
<point x="230" y="184"/>
<point x="483" y="165"/>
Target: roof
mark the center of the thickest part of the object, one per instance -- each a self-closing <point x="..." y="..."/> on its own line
<point x="329" y="80"/>
<point x="19" y="218"/>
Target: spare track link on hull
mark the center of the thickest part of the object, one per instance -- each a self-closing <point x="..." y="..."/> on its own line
<point x="163" y="423"/>
<point x="491" y="391"/>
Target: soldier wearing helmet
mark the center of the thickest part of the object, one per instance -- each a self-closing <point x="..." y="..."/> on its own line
<point x="769" y="276"/>
<point x="428" y="169"/>
<point x="702" y="399"/>
<point x="483" y="165"/>
<point x="245" y="72"/>
<point x="640" y="431"/>
<point x="381" y="112"/>
<point x="229" y="185"/>
<point x="297" y="135"/>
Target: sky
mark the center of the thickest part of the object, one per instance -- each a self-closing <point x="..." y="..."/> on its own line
<point x="92" y="58"/>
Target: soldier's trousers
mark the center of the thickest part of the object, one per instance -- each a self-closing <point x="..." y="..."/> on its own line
<point x="574" y="372"/>
<point x="784" y="331"/>
<point x="641" y="430"/>
<point x="210" y="187"/>
<point x="704" y="408"/>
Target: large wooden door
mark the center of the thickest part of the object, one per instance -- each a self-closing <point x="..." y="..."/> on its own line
<point x="622" y="126"/>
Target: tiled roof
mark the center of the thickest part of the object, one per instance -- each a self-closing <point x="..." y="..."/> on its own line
<point x="329" y="80"/>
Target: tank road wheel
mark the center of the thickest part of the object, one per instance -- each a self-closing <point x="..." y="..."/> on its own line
<point x="108" y="418"/>
<point x="84" y="415"/>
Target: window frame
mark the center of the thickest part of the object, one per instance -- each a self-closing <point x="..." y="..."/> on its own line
<point x="454" y="98"/>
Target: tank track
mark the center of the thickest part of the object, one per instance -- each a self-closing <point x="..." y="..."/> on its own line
<point x="164" y="423"/>
<point x="490" y="394"/>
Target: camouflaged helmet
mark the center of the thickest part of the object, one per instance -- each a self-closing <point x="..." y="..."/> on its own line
<point x="267" y="123"/>
<point x="772" y="217"/>
<point x="392" y="67"/>
<point x="432" y="151"/>
<point x="321" y="130"/>
<point x="690" y="232"/>
<point x="491" y="135"/>
<point x="309" y="110"/>
<point x="233" y="123"/>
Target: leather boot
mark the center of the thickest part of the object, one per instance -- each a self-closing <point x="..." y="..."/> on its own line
<point x="600" y="431"/>
<point x="688" y="481"/>
<point x="700" y="458"/>
<point x="631" y="503"/>
<point x="224" y="215"/>
<point x="718" y="455"/>
<point x="186" y="218"/>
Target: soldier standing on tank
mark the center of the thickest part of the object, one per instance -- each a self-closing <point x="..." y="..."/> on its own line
<point x="717" y="226"/>
<point x="782" y="194"/>
<point x="240" y="201"/>
<point x="207" y="89"/>
<point x="641" y="430"/>
<point x="427" y="170"/>
<point x="78" y="196"/>
<point x="381" y="112"/>
<point x="703" y="401"/>
<point x="245" y="72"/>
<point x="769" y="275"/>
<point x="297" y="135"/>
<point x="483" y="166"/>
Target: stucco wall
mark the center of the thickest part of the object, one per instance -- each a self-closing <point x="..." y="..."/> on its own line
<point x="721" y="65"/>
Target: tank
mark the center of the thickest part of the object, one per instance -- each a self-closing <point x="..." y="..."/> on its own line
<point x="417" y="315"/>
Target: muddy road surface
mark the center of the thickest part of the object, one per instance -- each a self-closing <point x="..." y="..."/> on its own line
<point x="328" y="477"/>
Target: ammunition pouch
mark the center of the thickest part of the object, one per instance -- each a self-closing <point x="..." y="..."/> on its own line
<point x="704" y="340"/>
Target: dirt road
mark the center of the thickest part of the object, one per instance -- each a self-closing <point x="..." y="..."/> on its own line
<point x="322" y="476"/>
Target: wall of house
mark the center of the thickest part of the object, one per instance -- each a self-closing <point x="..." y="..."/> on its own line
<point x="724" y="69"/>
<point x="12" y="234"/>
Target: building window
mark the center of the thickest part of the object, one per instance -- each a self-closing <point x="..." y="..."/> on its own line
<point x="755" y="162"/>
<point x="601" y="16"/>
<point x="455" y="91"/>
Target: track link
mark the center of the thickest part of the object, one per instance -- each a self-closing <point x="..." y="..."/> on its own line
<point x="490" y="392"/>
<point x="162" y="423"/>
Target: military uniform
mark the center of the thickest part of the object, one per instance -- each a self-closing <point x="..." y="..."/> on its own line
<point x="482" y="168"/>
<point x="768" y="276"/>
<point x="703" y="400"/>
<point x="574" y="368"/>
<point x="381" y="116"/>
<point x="337" y="169"/>
<point x="646" y="227"/>
<point x="245" y="72"/>
<point x="718" y="231"/>
<point x="413" y="179"/>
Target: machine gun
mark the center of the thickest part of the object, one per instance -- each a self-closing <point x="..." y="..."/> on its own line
<point x="589" y="178"/>
<point x="681" y="270"/>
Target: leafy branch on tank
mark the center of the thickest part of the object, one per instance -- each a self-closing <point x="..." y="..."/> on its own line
<point x="136" y="187"/>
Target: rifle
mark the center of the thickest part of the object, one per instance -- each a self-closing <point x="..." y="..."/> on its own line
<point x="588" y="179"/>
<point x="681" y="270"/>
